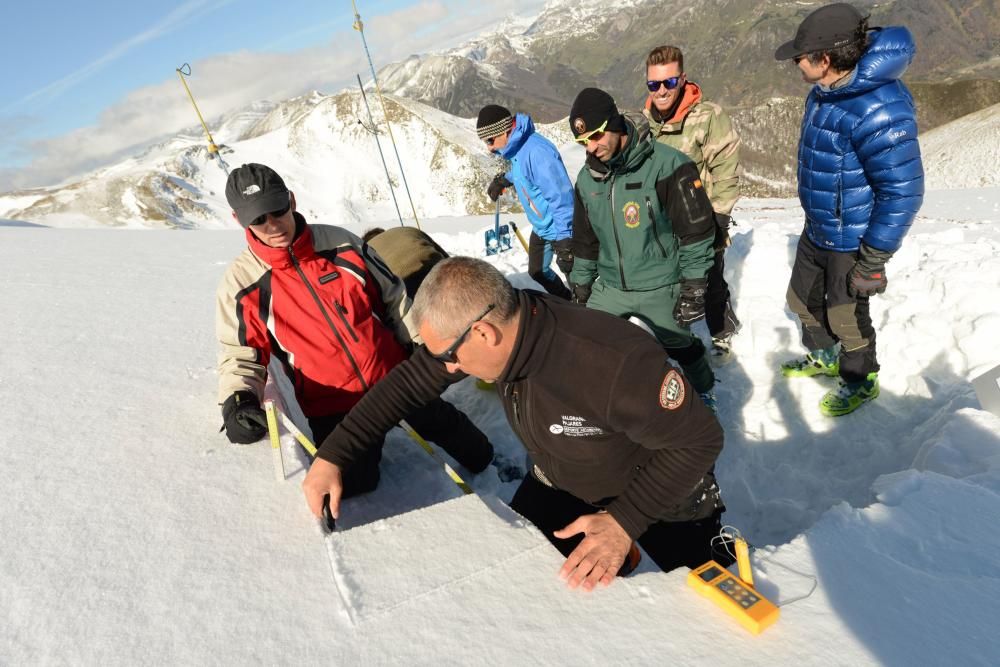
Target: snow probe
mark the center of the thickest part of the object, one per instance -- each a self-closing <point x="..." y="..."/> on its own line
<point x="374" y="131"/>
<point x="360" y="27"/>
<point x="213" y="150"/>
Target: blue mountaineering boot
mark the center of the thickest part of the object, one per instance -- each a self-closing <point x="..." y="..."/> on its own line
<point x="849" y="396"/>
<point x="816" y="362"/>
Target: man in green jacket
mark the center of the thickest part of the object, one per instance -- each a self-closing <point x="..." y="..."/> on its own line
<point x="643" y="230"/>
<point x="680" y="118"/>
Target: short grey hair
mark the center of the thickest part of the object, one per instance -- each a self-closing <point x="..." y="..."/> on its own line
<point x="457" y="290"/>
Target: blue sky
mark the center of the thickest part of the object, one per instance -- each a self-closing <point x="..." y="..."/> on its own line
<point x="87" y="82"/>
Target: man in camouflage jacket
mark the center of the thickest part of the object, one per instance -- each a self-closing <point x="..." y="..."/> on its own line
<point x="680" y="118"/>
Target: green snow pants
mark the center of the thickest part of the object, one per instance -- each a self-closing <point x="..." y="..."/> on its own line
<point x="656" y="309"/>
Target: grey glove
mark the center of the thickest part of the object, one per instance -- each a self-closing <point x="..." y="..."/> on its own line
<point x="564" y="254"/>
<point x="868" y="275"/>
<point x="691" y="303"/>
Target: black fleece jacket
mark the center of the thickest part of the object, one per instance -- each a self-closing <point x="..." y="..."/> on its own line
<point x="595" y="401"/>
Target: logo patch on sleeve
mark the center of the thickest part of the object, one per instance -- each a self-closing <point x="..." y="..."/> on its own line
<point x="672" y="390"/>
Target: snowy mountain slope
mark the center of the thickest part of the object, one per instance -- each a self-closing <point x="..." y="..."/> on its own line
<point x="964" y="153"/>
<point x="316" y="142"/>
<point x="135" y="534"/>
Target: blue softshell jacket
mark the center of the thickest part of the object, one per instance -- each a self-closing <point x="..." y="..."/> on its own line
<point x="860" y="174"/>
<point x="539" y="175"/>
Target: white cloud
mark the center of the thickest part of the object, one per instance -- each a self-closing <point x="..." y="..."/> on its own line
<point x="222" y="84"/>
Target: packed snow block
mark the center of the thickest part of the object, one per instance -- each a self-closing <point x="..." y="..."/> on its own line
<point x="383" y="565"/>
<point x="987" y="388"/>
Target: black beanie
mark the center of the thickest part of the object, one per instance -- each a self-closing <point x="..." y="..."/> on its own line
<point x="591" y="108"/>
<point x="493" y="121"/>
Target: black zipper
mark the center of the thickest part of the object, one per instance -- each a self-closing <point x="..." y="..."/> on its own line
<point x="341" y="311"/>
<point x="656" y="231"/>
<point x="614" y="229"/>
<point x="326" y="316"/>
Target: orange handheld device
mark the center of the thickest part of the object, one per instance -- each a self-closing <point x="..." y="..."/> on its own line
<point x="734" y="596"/>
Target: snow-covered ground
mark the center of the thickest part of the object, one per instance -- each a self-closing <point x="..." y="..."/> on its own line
<point x="133" y="533"/>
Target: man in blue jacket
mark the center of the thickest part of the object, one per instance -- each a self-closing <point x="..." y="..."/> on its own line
<point x="539" y="177"/>
<point x="861" y="183"/>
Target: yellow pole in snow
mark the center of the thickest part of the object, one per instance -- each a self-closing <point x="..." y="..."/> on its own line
<point x="212" y="148"/>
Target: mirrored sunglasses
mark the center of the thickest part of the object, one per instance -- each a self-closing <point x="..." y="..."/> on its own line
<point x="670" y="83"/>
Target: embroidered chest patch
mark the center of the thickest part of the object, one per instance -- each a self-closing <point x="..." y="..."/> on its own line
<point x="672" y="391"/>
<point x="631" y="213"/>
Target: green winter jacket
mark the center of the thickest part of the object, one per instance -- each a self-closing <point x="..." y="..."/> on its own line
<point x="643" y="220"/>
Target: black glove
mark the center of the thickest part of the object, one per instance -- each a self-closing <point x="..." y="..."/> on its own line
<point x="868" y="275"/>
<point x="564" y="254"/>
<point x="243" y="419"/>
<point x="497" y="186"/>
<point x="691" y="303"/>
<point x="581" y="293"/>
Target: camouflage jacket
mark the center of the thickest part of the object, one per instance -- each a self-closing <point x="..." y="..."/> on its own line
<point x="702" y="131"/>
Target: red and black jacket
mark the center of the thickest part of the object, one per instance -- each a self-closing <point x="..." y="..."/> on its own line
<point x="326" y="308"/>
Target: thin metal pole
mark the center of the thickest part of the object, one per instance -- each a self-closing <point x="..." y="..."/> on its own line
<point x="378" y="143"/>
<point x="213" y="150"/>
<point x="360" y="27"/>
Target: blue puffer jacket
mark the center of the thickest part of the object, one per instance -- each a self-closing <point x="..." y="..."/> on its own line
<point x="860" y="174"/>
<point x="538" y="174"/>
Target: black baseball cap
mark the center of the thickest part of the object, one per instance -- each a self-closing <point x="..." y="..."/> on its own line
<point x="255" y="189"/>
<point x="829" y="27"/>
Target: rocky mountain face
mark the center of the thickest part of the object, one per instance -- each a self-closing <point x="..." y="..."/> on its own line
<point x="539" y="66"/>
<point x="324" y="144"/>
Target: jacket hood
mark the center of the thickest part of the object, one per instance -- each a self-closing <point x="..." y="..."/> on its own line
<point x="523" y="128"/>
<point x="889" y="53"/>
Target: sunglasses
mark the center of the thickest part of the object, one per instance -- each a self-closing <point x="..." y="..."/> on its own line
<point x="594" y="135"/>
<point x="448" y="356"/>
<point x="261" y="219"/>
<point x="670" y="83"/>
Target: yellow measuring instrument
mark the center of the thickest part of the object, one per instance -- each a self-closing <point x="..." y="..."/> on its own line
<point x="735" y="595"/>
<point x="272" y="430"/>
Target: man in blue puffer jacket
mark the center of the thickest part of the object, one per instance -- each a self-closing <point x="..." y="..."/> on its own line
<point x="861" y="183"/>
<point x="539" y="177"/>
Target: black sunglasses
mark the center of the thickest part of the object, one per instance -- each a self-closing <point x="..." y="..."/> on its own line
<point x="261" y="219"/>
<point x="448" y="356"/>
<point x="670" y="83"/>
